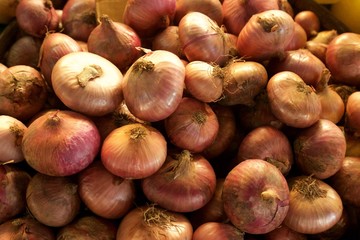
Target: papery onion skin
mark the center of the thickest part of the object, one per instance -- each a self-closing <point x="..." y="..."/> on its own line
<point x="87" y="83"/>
<point x="192" y="126"/>
<point x="134" y="151"/>
<point x="115" y="41"/>
<point x="314" y="205"/>
<point x="217" y="230"/>
<point x="23" y="92"/>
<point x="320" y="149"/>
<point x="270" y="144"/>
<point x="243" y="80"/>
<point x="343" y="57"/>
<point x="26" y="227"/>
<point x="148" y="18"/>
<point x="14" y="182"/>
<point x="53" y="47"/>
<point x="265" y="35"/>
<point x="169" y="40"/>
<point x="11" y="134"/>
<point x="154" y="223"/>
<point x="292" y="101"/>
<point x="346" y="181"/>
<point x="105" y="194"/>
<point x="60" y="142"/>
<point x="184" y="183"/>
<point x="160" y="75"/>
<point x="255" y="196"/>
<point x="47" y="194"/>
<point x="88" y="227"/>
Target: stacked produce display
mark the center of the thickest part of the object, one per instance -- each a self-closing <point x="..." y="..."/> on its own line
<point x="186" y="119"/>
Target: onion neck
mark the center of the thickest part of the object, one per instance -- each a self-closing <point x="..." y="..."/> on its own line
<point x="180" y="166"/>
<point x="309" y="188"/>
<point x="143" y="66"/>
<point x="53" y="120"/>
<point x="199" y="117"/>
<point x="156" y="217"/>
<point x="18" y="133"/>
<point x="137" y="133"/>
<point x="323" y="81"/>
<point x="89" y="73"/>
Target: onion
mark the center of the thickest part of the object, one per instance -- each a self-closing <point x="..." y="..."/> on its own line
<point x="216" y="230"/>
<point x="309" y="21"/>
<point x="203" y="39"/>
<point x="88" y="227"/>
<point x="37" y="17"/>
<point x="149" y="17"/>
<point x="255" y="196"/>
<point x="266" y="35"/>
<point x="325" y="36"/>
<point x="299" y="39"/>
<point x="213" y="211"/>
<point x="87" y="83"/>
<point x="60" y="142"/>
<point x="352" y="145"/>
<point x="267" y="143"/>
<point x="168" y="40"/>
<point x="192" y="126"/>
<point x="154" y="85"/>
<point x="226" y="133"/>
<point x="284" y="232"/>
<point x="134" y="151"/>
<point x="184" y="183"/>
<point x="24" y="51"/>
<point x="305" y="64"/>
<point x="8" y="11"/>
<point x="11" y="134"/>
<point x="115" y="41"/>
<point x="352" y="119"/>
<point x="153" y="223"/>
<point x="14" y="182"/>
<point x="346" y="181"/>
<point x="292" y="101"/>
<point x="243" y="80"/>
<point x="204" y="81"/>
<point x="79" y="18"/>
<point x="53" y="201"/>
<point x="26" y="228"/>
<point x="211" y="8"/>
<point x="332" y="105"/>
<point x="317" y="49"/>
<point x="314" y="205"/>
<point x="105" y="194"/>
<point x="23" y="92"/>
<point x="54" y="46"/>
<point x="320" y="149"/>
<point x="342" y="57"/>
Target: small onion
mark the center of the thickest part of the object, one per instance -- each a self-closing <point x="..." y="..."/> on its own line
<point x="88" y="227"/>
<point x="23" y="92"/>
<point x="320" y="149"/>
<point x="134" y="151"/>
<point x="79" y="18"/>
<point x="217" y="230"/>
<point x="314" y="205"/>
<point x="154" y="223"/>
<point x="11" y="134"/>
<point x="266" y="35"/>
<point x="154" y="85"/>
<point x="255" y="196"/>
<point x="168" y="40"/>
<point x="26" y="227"/>
<point x="53" y="201"/>
<point x="352" y="119"/>
<point x="87" y="83"/>
<point x="346" y="181"/>
<point x="115" y="41"/>
<point x="184" y="183"/>
<point x="60" y="142"/>
<point x="204" y="81"/>
<point x="105" y="194"/>
<point x="14" y="182"/>
<point x="292" y="101"/>
<point x="332" y="105"/>
<point x="37" y="17"/>
<point x="53" y="47"/>
<point x="309" y="21"/>
<point x="192" y="126"/>
<point x="243" y="80"/>
<point x="267" y="143"/>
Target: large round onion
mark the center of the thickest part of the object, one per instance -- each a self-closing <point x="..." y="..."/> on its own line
<point x="255" y="196"/>
<point x="60" y="142"/>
